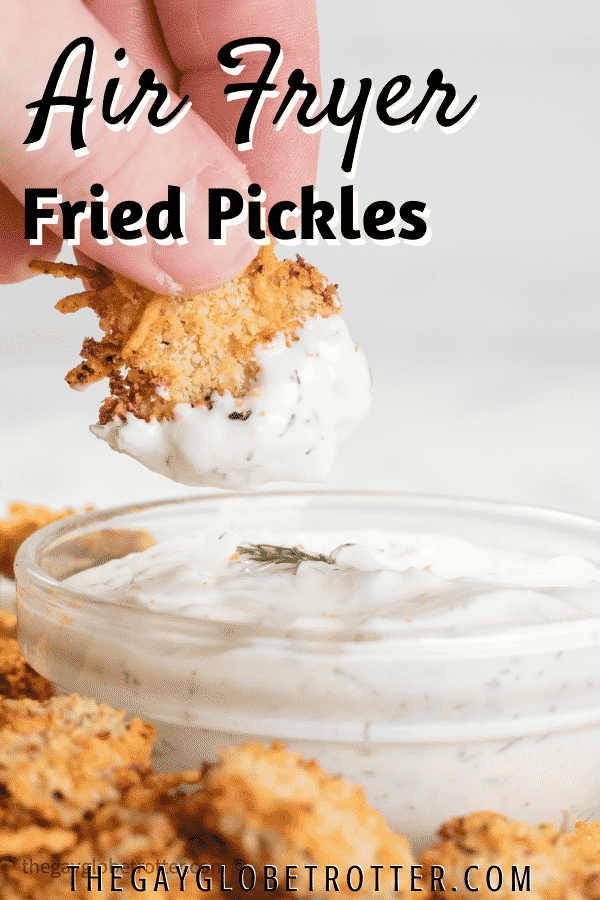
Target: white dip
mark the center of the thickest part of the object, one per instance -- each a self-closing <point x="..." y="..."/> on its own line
<point x="376" y="580"/>
<point x="442" y="676"/>
<point x="306" y="399"/>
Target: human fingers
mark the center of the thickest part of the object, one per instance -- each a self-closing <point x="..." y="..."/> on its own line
<point x="135" y="164"/>
<point x="136" y="25"/>
<point x="280" y="161"/>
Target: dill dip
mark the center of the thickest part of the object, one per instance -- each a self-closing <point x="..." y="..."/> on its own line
<point x="305" y="400"/>
<point x="441" y="652"/>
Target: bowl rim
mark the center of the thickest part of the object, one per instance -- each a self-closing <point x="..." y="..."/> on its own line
<point x="534" y="638"/>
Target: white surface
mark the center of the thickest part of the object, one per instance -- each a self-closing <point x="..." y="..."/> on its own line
<point x="483" y="343"/>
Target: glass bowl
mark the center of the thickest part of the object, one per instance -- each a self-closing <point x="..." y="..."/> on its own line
<point x="432" y="725"/>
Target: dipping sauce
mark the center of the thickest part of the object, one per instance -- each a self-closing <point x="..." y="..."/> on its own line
<point x="443" y="653"/>
<point x="375" y="580"/>
<point x="305" y="400"/>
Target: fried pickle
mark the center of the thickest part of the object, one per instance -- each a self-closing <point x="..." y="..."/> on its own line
<point x="275" y="807"/>
<point x="158" y="351"/>
<point x="23" y="519"/>
<point x="17" y="678"/>
<point x="496" y="851"/>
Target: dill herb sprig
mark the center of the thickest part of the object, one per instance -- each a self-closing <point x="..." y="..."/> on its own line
<point x="265" y="555"/>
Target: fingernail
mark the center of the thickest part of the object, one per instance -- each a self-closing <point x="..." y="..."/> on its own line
<point x="200" y="265"/>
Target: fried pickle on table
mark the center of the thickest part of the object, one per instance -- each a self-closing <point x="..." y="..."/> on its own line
<point x="255" y="807"/>
<point x="82" y="551"/>
<point x="563" y="866"/>
<point x="277" y="808"/>
<point x="22" y="520"/>
<point x="158" y="351"/>
<point x="8" y="625"/>
<point x="60" y="758"/>
<point x="60" y="761"/>
<point x="136" y="828"/>
<point x="17" y="678"/>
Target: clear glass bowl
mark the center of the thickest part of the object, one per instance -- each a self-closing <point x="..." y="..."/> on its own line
<point x="504" y="717"/>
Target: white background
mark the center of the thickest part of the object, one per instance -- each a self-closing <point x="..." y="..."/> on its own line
<point x="483" y="343"/>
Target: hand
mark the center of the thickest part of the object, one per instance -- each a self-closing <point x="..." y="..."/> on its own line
<point x="179" y="40"/>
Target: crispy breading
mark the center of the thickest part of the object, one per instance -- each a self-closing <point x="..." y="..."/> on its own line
<point x="93" y="277"/>
<point x="139" y="827"/>
<point x="23" y="519"/>
<point x="60" y="762"/>
<point x="61" y="758"/>
<point x="284" y="810"/>
<point x="8" y="624"/>
<point x="258" y="807"/>
<point x="563" y="866"/>
<point x="275" y="807"/>
<point x="17" y="678"/>
<point x="82" y="550"/>
<point x="158" y="351"/>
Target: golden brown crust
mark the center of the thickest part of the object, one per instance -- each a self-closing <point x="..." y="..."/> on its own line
<point x="137" y="827"/>
<point x="256" y="806"/>
<point x="76" y="789"/>
<point x="562" y="866"/>
<point x="275" y="807"/>
<point x="61" y="758"/>
<point x="8" y="625"/>
<point x="94" y="277"/>
<point x="185" y="349"/>
<point x="17" y="678"/>
<point x="23" y="519"/>
<point x="79" y="552"/>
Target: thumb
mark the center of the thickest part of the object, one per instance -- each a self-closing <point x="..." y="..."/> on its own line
<point x="133" y="164"/>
